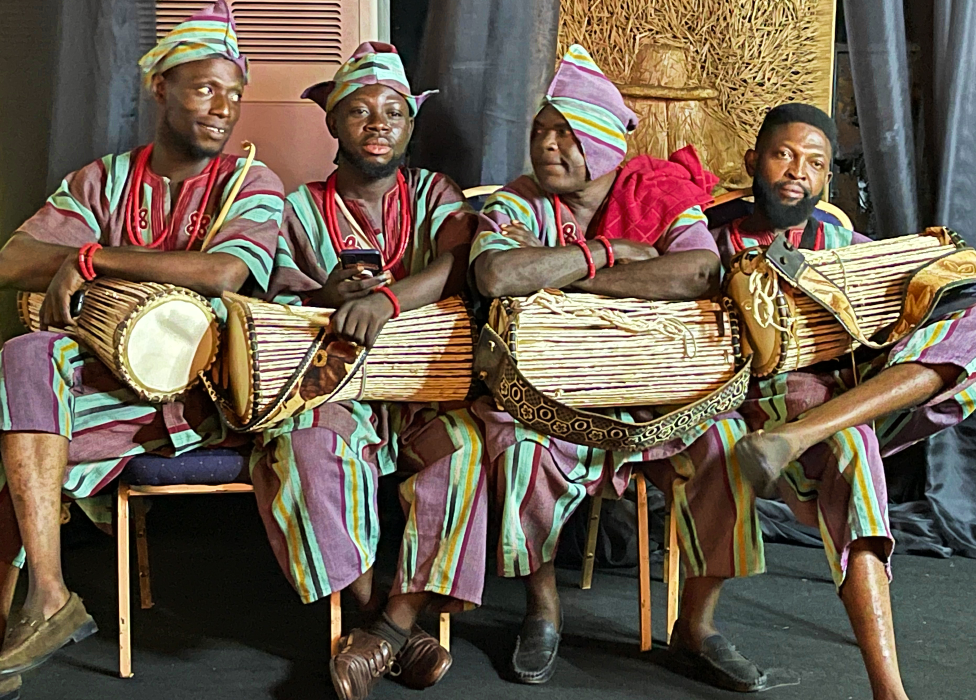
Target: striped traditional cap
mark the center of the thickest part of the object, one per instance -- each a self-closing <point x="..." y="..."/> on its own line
<point x="373" y="63"/>
<point x="211" y="32"/>
<point x="594" y="108"/>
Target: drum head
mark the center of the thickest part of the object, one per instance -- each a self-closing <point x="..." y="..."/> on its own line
<point x="168" y="344"/>
<point x="239" y="361"/>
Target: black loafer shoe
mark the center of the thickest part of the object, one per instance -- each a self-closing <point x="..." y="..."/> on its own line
<point x="718" y="664"/>
<point x="536" y="650"/>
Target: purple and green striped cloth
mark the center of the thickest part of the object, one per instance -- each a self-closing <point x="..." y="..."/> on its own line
<point x="209" y="33"/>
<point x="373" y="63"/>
<point x="594" y="108"/>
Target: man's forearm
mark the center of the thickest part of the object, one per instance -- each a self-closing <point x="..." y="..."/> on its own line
<point x="692" y="274"/>
<point x="29" y="265"/>
<point x="527" y="270"/>
<point x="209" y="274"/>
<point x="442" y="278"/>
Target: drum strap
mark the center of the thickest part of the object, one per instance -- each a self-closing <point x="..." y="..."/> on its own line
<point x="926" y="293"/>
<point x="494" y="364"/>
<point x="808" y="240"/>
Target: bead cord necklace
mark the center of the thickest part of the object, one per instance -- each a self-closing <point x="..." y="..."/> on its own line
<point x="571" y="228"/>
<point x="794" y="236"/>
<point x="133" y="204"/>
<point x="394" y="248"/>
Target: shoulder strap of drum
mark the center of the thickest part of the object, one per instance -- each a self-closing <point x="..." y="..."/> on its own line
<point x="808" y="240"/>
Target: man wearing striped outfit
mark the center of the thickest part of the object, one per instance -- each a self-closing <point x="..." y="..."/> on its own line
<point x="316" y="475"/>
<point x="582" y="222"/>
<point x="68" y="425"/>
<point x="821" y="432"/>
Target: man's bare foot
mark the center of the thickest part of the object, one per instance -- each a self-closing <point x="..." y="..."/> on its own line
<point x="762" y="458"/>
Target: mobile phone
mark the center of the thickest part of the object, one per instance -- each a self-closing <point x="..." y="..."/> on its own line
<point x="369" y="258"/>
<point x="77" y="301"/>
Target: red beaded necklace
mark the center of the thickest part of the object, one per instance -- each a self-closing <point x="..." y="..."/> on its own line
<point x="570" y="228"/>
<point x="133" y="203"/>
<point x="397" y="246"/>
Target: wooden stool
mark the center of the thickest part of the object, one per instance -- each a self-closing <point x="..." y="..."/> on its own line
<point x="672" y="560"/>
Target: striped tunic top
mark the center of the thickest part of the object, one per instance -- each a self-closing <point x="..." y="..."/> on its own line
<point x="524" y="201"/>
<point x="90" y="207"/>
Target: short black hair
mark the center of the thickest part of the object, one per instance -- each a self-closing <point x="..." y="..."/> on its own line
<point x="797" y="112"/>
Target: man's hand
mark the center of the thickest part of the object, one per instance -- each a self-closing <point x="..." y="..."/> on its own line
<point x="362" y="319"/>
<point x="56" y="309"/>
<point x="521" y="235"/>
<point x="344" y="286"/>
<point x="627" y="251"/>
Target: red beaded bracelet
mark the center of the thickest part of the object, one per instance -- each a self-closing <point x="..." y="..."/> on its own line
<point x="86" y="258"/>
<point x="590" y="267"/>
<point x="606" y="244"/>
<point x="392" y="297"/>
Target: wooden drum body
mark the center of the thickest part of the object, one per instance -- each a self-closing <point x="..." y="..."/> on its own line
<point x="785" y="328"/>
<point x="281" y="360"/>
<point x="589" y="351"/>
<point x="156" y="338"/>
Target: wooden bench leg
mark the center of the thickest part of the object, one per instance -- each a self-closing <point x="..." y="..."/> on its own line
<point x="445" y="631"/>
<point x="142" y="551"/>
<point x="335" y="604"/>
<point x="672" y="568"/>
<point x="592" y="529"/>
<point x="122" y="539"/>
<point x="644" y="562"/>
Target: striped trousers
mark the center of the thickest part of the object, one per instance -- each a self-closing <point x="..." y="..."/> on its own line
<point x="848" y="466"/>
<point x="316" y="481"/>
<point x="51" y="384"/>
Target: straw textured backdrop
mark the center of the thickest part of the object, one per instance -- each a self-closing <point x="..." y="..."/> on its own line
<point x="754" y="54"/>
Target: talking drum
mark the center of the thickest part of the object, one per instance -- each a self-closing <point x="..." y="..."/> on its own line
<point x="156" y="338"/>
<point x="550" y="358"/>
<point x="280" y="360"/>
<point x="801" y="307"/>
<point x="590" y="351"/>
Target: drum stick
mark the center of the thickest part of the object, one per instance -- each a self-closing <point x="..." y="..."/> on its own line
<point x="251" y="150"/>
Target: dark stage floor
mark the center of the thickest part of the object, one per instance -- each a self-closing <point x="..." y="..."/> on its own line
<point x="227" y="626"/>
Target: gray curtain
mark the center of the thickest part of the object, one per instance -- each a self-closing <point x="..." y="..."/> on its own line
<point x="99" y="107"/>
<point x="921" y="165"/>
<point x="492" y="61"/>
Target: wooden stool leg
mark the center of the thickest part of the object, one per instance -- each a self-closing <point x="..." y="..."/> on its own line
<point x="335" y="603"/>
<point x="445" y="631"/>
<point x="672" y="568"/>
<point x="142" y="551"/>
<point x="122" y="539"/>
<point x="592" y="529"/>
<point x="644" y="563"/>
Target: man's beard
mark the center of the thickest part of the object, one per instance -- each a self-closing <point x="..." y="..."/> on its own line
<point x="374" y="171"/>
<point x="782" y="216"/>
<point x="185" y="145"/>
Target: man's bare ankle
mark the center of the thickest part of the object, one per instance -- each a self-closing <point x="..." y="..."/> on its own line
<point x="47" y="602"/>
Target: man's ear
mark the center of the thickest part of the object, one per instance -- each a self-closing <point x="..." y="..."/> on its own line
<point x="750" y="161"/>
<point x="158" y="88"/>
<point x="330" y="124"/>
<point x="830" y="176"/>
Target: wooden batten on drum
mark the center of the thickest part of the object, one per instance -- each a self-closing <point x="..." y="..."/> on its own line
<point x="585" y="350"/>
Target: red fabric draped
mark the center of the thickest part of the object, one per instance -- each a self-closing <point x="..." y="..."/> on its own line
<point x="650" y="193"/>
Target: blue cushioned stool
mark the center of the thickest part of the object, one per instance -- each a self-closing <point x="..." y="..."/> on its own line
<point x="210" y="471"/>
